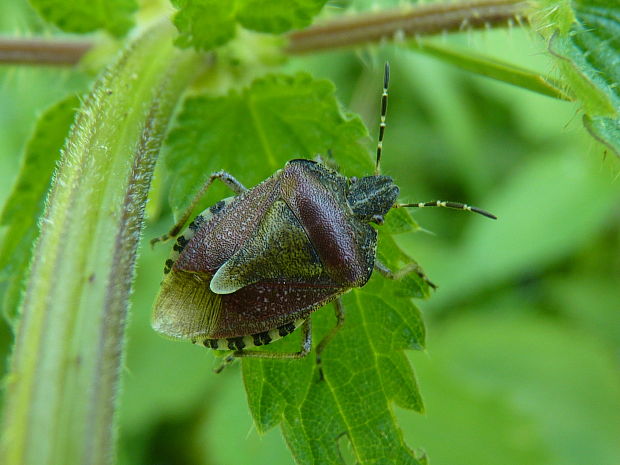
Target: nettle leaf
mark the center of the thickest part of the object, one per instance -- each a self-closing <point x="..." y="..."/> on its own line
<point x="278" y="16"/>
<point x="24" y="206"/>
<point x="114" y="16"/>
<point x="365" y="371"/>
<point x="205" y="24"/>
<point x="251" y="134"/>
<point x="256" y="131"/>
<point x="585" y="37"/>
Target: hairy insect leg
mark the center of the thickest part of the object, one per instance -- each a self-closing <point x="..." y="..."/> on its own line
<point x="223" y="176"/>
<point x="306" y="345"/>
<point x="339" y="309"/>
<point x="409" y="268"/>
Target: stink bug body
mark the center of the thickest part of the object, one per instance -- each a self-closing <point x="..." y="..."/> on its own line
<point x="253" y="267"/>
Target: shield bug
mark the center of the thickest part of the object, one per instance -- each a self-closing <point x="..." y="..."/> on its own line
<point x="252" y="268"/>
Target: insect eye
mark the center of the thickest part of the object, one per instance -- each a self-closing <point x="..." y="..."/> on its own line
<point x="352" y="180"/>
<point x="377" y="219"/>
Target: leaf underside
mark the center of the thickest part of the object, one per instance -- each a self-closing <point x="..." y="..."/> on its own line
<point x="365" y="369"/>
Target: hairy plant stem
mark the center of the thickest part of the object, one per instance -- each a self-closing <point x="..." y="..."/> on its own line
<point x="414" y="21"/>
<point x="52" y="52"/>
<point x="64" y="375"/>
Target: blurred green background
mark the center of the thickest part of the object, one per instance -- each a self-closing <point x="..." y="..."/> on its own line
<point x="524" y="330"/>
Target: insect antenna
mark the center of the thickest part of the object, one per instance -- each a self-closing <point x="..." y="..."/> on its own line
<point x="384" y="103"/>
<point x="446" y="204"/>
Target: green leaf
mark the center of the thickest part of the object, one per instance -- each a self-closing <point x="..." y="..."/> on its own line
<point x="365" y="372"/>
<point x="500" y="375"/>
<point x="494" y="69"/>
<point x="205" y="24"/>
<point x="605" y="130"/>
<point x="114" y="16"/>
<point x="25" y="204"/>
<point x="254" y="132"/>
<point x="527" y="207"/>
<point x="278" y="16"/>
<point x="399" y="221"/>
<point x="584" y="35"/>
<point x="391" y="255"/>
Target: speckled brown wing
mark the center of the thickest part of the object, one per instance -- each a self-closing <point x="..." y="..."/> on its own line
<point x="222" y="236"/>
<point x="263" y="306"/>
<point x="185" y="307"/>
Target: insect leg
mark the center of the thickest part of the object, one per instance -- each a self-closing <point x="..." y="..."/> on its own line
<point x="306" y="345"/>
<point x="410" y="268"/>
<point x="223" y="176"/>
<point x="339" y="307"/>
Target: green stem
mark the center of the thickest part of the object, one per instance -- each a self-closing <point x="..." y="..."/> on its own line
<point x="415" y="21"/>
<point x="64" y="376"/>
<point x="37" y="51"/>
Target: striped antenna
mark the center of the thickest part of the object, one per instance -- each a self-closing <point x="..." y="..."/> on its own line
<point x="384" y="102"/>
<point x="455" y="205"/>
